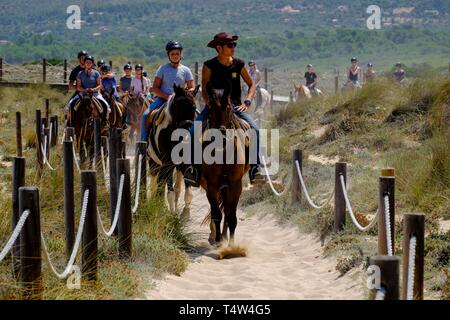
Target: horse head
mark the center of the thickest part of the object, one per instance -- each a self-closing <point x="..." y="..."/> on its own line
<point x="220" y="107"/>
<point x="182" y="108"/>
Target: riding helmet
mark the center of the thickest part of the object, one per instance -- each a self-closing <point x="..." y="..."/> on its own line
<point x="105" y="67"/>
<point x="354" y="59"/>
<point x="251" y="63"/>
<point x="172" y="45"/>
<point x="370" y="64"/>
<point x="309" y="65"/>
<point x="82" y="53"/>
<point x="100" y="63"/>
<point x="398" y="64"/>
<point x="127" y="67"/>
<point x="138" y="66"/>
<point x="89" y="57"/>
<point x="144" y="73"/>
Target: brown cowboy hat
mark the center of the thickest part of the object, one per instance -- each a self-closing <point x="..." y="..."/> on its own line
<point x="221" y="39"/>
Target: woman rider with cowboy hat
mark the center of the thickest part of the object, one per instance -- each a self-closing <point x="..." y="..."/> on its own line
<point x="218" y="71"/>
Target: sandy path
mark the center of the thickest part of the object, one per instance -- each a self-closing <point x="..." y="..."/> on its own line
<point x="281" y="264"/>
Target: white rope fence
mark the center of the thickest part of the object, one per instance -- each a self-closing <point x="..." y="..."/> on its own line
<point x="15" y="234"/>
<point x="350" y="210"/>
<point x="411" y="268"/>
<point x="381" y="294"/>
<point x="116" y="213"/>
<point x="387" y="220"/>
<point x="305" y="191"/>
<point x="104" y="168"/>
<point x="279" y="194"/>
<point x="76" y="245"/>
<point x="138" y="185"/>
<point x="44" y="153"/>
<point x="75" y="156"/>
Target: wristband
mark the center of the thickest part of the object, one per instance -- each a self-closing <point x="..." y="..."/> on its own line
<point x="248" y="102"/>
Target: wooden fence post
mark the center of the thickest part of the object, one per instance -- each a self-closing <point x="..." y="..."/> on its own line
<point x="387" y="187"/>
<point x="389" y="267"/>
<point x="266" y="79"/>
<point x="296" y="189"/>
<point x="114" y="153"/>
<point x="89" y="241"/>
<point x="413" y="226"/>
<point x="18" y="134"/>
<point x="97" y="141"/>
<point x="339" y="200"/>
<point x="39" y="138"/>
<point x="44" y="70"/>
<point x="69" y="202"/>
<point x="30" y="240"/>
<point x="65" y="71"/>
<point x="125" y="220"/>
<point x="291" y="97"/>
<point x="271" y="100"/>
<point x="196" y="72"/>
<point x="54" y="133"/>
<point x="1" y="69"/>
<point x="18" y="181"/>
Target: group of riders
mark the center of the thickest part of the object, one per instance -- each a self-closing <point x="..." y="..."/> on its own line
<point x="353" y="75"/>
<point x="223" y="69"/>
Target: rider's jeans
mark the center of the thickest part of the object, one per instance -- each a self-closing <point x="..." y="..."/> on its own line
<point x="155" y="105"/>
<point x="243" y="115"/>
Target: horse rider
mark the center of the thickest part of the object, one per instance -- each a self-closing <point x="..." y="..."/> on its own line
<point x="399" y="73"/>
<point x="100" y="63"/>
<point x="311" y="78"/>
<point x="138" y="83"/>
<point x="125" y="80"/>
<point x="74" y="73"/>
<point x="149" y="85"/>
<point x="89" y="81"/>
<point x="257" y="78"/>
<point x="166" y="76"/>
<point x="370" y="73"/>
<point x="353" y="73"/>
<point x="218" y="71"/>
<point x="109" y="83"/>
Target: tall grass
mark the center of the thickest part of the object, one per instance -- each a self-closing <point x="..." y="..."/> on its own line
<point x="159" y="238"/>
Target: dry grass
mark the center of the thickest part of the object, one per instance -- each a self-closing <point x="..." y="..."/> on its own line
<point x="382" y="125"/>
<point x="158" y="235"/>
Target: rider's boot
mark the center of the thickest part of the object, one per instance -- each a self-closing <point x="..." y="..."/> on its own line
<point x="255" y="174"/>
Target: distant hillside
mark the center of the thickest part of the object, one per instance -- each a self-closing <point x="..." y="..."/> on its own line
<point x="272" y="31"/>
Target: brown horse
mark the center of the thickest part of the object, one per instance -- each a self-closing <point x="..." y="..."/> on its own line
<point x="82" y="119"/>
<point x="135" y="107"/>
<point x="177" y="113"/>
<point x="223" y="181"/>
<point x="118" y="112"/>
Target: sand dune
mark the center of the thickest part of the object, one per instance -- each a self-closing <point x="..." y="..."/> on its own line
<point x="281" y="264"/>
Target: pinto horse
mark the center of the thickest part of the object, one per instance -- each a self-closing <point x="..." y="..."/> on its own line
<point x="177" y="113"/>
<point x="135" y="106"/>
<point x="82" y="119"/>
<point x="223" y="181"/>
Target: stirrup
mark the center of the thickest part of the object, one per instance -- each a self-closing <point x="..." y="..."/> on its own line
<point x="191" y="177"/>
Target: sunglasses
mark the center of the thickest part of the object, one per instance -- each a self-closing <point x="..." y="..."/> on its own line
<point x="231" y="45"/>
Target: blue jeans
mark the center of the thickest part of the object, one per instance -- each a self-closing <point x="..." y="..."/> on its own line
<point x="243" y="115"/>
<point x="155" y="105"/>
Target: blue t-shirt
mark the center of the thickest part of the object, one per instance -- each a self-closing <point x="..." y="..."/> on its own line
<point x="88" y="81"/>
<point x="170" y="75"/>
<point x="109" y="84"/>
<point x="125" y="83"/>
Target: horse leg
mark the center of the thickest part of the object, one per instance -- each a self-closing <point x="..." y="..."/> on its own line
<point x="171" y="192"/>
<point x="188" y="196"/>
<point x="216" y="214"/>
<point x="225" y="205"/>
<point x="232" y="201"/>
<point x="177" y="186"/>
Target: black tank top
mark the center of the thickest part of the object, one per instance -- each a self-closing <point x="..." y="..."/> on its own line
<point x="353" y="77"/>
<point x="220" y="74"/>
